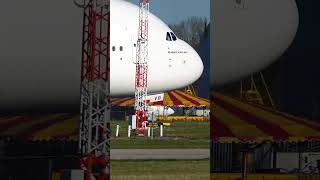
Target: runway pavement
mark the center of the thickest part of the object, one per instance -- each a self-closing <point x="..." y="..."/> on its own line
<point x="144" y="154"/>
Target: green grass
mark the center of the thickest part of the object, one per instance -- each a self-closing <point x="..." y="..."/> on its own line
<point x="160" y="170"/>
<point x="181" y="134"/>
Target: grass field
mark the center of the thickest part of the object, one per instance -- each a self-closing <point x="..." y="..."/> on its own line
<point x="180" y="134"/>
<point x="160" y="170"/>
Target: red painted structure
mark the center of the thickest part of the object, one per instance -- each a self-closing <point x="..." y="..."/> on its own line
<point x="141" y="83"/>
<point x="94" y="132"/>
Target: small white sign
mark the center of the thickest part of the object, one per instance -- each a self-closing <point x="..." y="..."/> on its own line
<point x="155" y="97"/>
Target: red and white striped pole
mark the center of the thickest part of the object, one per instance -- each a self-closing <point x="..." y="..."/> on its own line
<point x="141" y="84"/>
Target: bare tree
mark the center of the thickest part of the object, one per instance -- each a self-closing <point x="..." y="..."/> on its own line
<point x="190" y="30"/>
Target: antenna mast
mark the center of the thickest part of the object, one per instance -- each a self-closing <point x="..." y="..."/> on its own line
<point x="94" y="131"/>
<point x="142" y="67"/>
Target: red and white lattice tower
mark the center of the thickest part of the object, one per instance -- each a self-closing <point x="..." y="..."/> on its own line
<point x="94" y="132"/>
<point x="142" y="67"/>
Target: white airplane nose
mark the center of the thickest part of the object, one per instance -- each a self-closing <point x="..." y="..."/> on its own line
<point x="198" y="65"/>
<point x="194" y="63"/>
<point x="184" y="67"/>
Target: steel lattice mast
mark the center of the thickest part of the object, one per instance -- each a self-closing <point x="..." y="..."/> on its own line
<point x="94" y="132"/>
<point x="141" y="66"/>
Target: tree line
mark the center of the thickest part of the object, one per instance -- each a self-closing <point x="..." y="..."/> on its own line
<point x="190" y="30"/>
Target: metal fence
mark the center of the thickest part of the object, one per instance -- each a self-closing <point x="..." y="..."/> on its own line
<point x="228" y="157"/>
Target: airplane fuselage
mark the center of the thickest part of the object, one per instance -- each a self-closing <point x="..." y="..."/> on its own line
<point x="172" y="64"/>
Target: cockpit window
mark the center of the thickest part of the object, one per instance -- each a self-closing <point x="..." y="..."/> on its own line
<point x="171" y="36"/>
<point x="174" y="37"/>
<point x="168" y="38"/>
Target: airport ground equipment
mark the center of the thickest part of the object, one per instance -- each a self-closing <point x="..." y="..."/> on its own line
<point x="190" y="90"/>
<point x="142" y="67"/>
<point x="253" y="94"/>
<point x="94" y="132"/>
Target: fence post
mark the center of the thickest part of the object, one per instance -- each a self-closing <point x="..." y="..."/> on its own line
<point x="117" y="132"/>
<point x="161" y="130"/>
<point x="129" y="131"/>
<point x="149" y="129"/>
